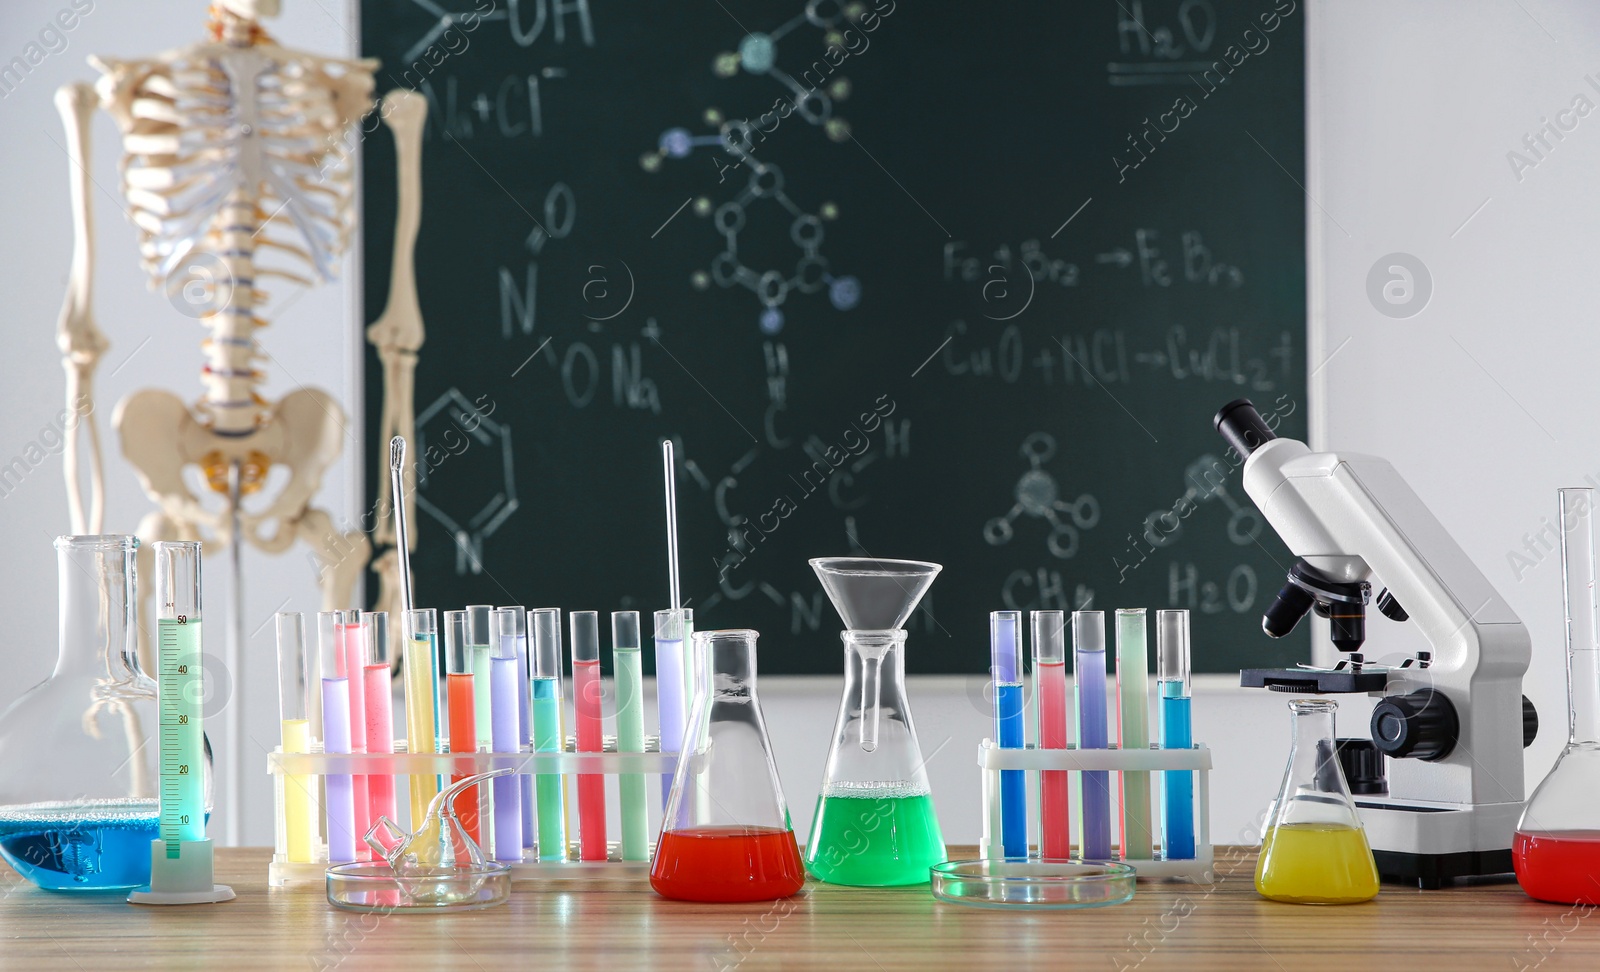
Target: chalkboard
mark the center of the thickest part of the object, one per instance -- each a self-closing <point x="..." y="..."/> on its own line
<point x="960" y="283"/>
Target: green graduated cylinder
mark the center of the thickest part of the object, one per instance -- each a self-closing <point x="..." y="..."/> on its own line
<point x="868" y="836"/>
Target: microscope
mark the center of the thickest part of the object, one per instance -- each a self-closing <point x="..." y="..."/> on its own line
<point x="1451" y="720"/>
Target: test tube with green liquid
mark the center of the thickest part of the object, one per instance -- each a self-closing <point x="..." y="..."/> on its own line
<point x="626" y="660"/>
<point x="1133" y="727"/>
<point x="548" y="733"/>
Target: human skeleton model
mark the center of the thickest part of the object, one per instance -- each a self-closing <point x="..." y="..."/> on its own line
<point x="235" y="170"/>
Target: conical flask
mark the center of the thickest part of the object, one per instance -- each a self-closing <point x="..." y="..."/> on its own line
<point x="725" y="835"/>
<point x="1556" y="850"/>
<point x="1314" y="850"/>
<point x="875" y="825"/>
<point x="77" y="751"/>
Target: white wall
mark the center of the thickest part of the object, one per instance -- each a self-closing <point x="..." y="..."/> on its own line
<point x="1413" y="107"/>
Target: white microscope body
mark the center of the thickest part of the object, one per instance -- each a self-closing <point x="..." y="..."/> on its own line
<point x="1352" y="518"/>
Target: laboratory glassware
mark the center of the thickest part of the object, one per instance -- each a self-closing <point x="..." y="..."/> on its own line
<point x="1049" y="647"/>
<point x="1556" y="849"/>
<point x="378" y="674"/>
<point x="437" y="867"/>
<point x="524" y="717"/>
<point x="1133" y="731"/>
<point x="299" y="792"/>
<point x="549" y="735"/>
<point x="1177" y="732"/>
<point x="506" y="733"/>
<point x="480" y="635"/>
<point x="77" y="756"/>
<point x="674" y="636"/>
<point x="353" y="639"/>
<point x="338" y="790"/>
<point x="1005" y="652"/>
<point x="1314" y="850"/>
<point x="726" y="834"/>
<point x="587" y="693"/>
<point x="461" y="690"/>
<point x="1089" y="683"/>
<point x="875" y="823"/>
<point x="423" y="718"/>
<point x="625" y="664"/>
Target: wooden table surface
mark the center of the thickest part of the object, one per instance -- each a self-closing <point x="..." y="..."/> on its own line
<point x="622" y="924"/>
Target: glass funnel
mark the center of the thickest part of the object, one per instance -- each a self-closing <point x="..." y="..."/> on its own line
<point x="77" y="751"/>
<point x="875" y="824"/>
<point x="725" y="835"/>
<point x="1556" y="850"/>
<point x="1315" y="851"/>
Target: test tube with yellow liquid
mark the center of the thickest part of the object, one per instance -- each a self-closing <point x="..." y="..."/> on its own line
<point x="297" y="815"/>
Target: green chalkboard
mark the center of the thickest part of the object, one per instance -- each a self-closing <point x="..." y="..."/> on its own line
<point x="967" y="286"/>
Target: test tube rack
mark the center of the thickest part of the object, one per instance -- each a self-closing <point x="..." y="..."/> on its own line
<point x="992" y="759"/>
<point x="311" y="876"/>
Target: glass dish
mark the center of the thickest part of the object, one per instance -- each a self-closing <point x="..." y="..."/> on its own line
<point x="373" y="886"/>
<point x="1033" y="884"/>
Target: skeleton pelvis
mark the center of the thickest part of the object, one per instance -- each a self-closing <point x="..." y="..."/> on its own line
<point x="161" y="435"/>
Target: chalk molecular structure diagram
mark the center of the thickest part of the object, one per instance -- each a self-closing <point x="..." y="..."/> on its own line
<point x="772" y="287"/>
<point x="1244" y="523"/>
<point x="1038" y="495"/>
<point x="491" y="470"/>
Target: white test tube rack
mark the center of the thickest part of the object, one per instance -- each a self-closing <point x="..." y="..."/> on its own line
<point x="311" y="876"/>
<point x="992" y="759"/>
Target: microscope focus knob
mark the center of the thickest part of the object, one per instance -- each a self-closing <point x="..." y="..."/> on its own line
<point x="1421" y="725"/>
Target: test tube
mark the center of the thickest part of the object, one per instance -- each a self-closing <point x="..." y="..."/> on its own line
<point x="548" y="734"/>
<point x="298" y="790"/>
<point x="587" y="693"/>
<point x="352" y="640"/>
<point x="524" y="719"/>
<point x="460" y="687"/>
<point x="1172" y="678"/>
<point x="480" y="634"/>
<point x="1133" y="731"/>
<point x="1006" y="651"/>
<point x="339" y="802"/>
<point x="1050" y="701"/>
<point x="378" y="674"/>
<point x="674" y="630"/>
<point x="1089" y="678"/>
<point x="506" y="737"/>
<point x="422" y="703"/>
<point x="626" y="664"/>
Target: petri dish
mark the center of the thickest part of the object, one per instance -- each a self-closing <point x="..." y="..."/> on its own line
<point x="1028" y="883"/>
<point x="372" y="886"/>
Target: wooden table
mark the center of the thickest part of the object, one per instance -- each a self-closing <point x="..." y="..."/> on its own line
<point x="622" y="924"/>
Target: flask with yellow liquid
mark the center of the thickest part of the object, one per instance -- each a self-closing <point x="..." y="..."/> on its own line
<point x="1314" y="850"/>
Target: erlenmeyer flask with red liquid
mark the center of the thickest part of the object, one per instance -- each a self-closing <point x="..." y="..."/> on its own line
<point x="1556" y="851"/>
<point x="726" y="834"/>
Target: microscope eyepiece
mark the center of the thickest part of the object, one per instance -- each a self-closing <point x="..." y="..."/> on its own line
<point x="1243" y="427"/>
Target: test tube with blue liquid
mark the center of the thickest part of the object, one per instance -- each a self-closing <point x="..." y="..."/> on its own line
<point x="1006" y="657"/>
<point x="549" y="735"/>
<point x="1089" y="680"/>
<point x="1172" y="678"/>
